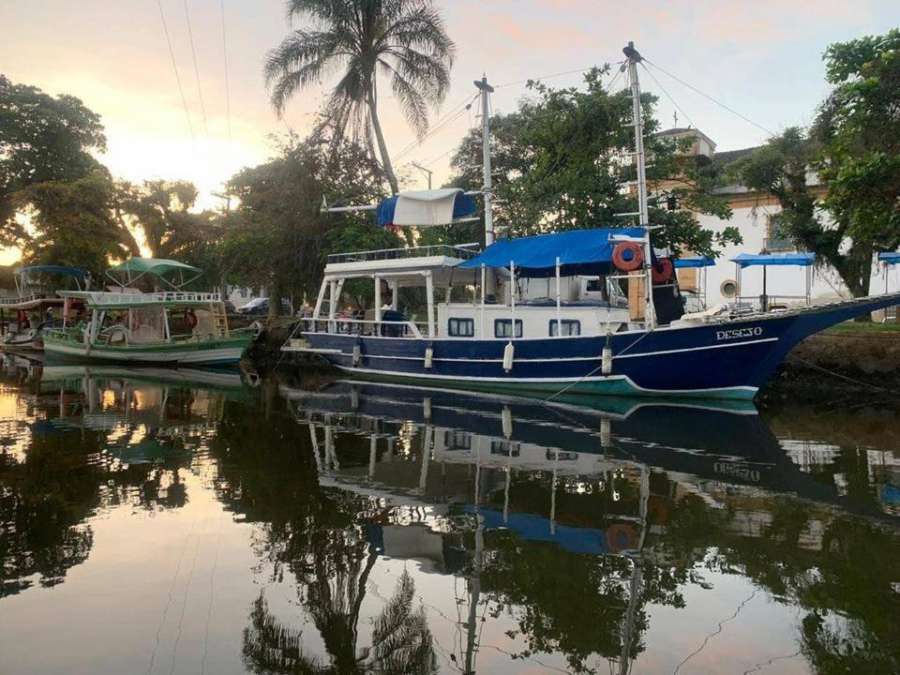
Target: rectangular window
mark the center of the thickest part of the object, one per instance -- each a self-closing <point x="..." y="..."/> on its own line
<point x="566" y="327"/>
<point x="505" y="448"/>
<point x="461" y="327"/>
<point x="457" y="440"/>
<point x="503" y="328"/>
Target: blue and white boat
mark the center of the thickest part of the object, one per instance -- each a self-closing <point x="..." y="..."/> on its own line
<point x="569" y="312"/>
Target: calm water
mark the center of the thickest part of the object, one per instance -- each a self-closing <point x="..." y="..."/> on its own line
<point x="177" y="522"/>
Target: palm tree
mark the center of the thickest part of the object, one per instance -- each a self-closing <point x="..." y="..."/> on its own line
<point x="403" y="40"/>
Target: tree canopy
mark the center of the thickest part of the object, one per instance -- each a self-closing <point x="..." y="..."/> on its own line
<point x="403" y="40"/>
<point x="853" y="149"/>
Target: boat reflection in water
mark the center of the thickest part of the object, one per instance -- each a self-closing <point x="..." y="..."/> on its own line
<point x="480" y="485"/>
<point x="207" y="526"/>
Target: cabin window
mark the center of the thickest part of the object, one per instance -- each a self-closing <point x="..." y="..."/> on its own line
<point x="461" y="327"/>
<point x="566" y="327"/>
<point x="457" y="440"/>
<point x="595" y="286"/>
<point x="505" y="448"/>
<point x="503" y="328"/>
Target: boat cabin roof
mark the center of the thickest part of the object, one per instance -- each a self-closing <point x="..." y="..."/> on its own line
<point x="405" y="266"/>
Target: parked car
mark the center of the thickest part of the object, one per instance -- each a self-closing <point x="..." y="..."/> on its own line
<point x="260" y="307"/>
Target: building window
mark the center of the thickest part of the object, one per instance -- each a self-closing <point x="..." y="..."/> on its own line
<point x="503" y="328"/>
<point x="567" y="326"/>
<point x="775" y="236"/>
<point x="505" y="448"/>
<point x="461" y="327"/>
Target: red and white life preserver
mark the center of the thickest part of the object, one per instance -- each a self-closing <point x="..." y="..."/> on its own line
<point x="663" y="269"/>
<point x="628" y="256"/>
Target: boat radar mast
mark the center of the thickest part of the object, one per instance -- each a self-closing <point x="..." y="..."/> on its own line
<point x="486" y="91"/>
<point x="633" y="57"/>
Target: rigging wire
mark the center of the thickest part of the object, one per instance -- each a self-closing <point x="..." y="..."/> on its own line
<point x="225" y="60"/>
<point x="187" y="18"/>
<point x="551" y="76"/>
<point x="184" y="104"/>
<point x="711" y="98"/>
<point x="669" y="96"/>
<point x="449" y="118"/>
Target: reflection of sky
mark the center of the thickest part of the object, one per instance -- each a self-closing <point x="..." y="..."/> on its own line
<point x="762" y="58"/>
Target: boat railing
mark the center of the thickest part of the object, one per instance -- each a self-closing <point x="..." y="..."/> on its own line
<point x="21" y="299"/>
<point x="772" y="302"/>
<point x="108" y="299"/>
<point x="463" y="251"/>
<point x="365" y="327"/>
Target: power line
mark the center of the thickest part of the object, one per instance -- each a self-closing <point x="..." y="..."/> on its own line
<point x="714" y="100"/>
<point x="184" y="104"/>
<point x="187" y="18"/>
<point x="225" y="59"/>
<point x="669" y="96"/>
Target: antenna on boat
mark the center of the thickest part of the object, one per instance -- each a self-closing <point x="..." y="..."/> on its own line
<point x="633" y="57"/>
<point x="486" y="91"/>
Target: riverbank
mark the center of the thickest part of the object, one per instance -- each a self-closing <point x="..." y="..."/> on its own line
<point x="852" y="364"/>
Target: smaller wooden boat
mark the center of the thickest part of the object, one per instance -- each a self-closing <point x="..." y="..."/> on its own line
<point x="37" y="306"/>
<point x="172" y="327"/>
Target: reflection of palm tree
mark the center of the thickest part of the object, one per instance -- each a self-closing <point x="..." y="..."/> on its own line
<point x="401" y="640"/>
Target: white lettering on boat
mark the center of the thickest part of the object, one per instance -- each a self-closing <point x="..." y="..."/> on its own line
<point x="737" y="333"/>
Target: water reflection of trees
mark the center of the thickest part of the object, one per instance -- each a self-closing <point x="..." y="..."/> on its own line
<point x="268" y="475"/>
<point x="62" y="475"/>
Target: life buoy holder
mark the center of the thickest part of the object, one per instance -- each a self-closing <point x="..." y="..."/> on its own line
<point x="663" y="269"/>
<point x="190" y="318"/>
<point x="628" y="256"/>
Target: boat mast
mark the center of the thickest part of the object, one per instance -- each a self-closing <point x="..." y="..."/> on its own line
<point x="486" y="91"/>
<point x="633" y="57"/>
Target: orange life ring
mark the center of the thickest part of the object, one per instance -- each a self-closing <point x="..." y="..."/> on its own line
<point x="621" y="537"/>
<point x="190" y="318"/>
<point x="663" y="269"/>
<point x="628" y="256"/>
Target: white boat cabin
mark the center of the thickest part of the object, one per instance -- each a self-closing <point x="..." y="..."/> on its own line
<point x="466" y="303"/>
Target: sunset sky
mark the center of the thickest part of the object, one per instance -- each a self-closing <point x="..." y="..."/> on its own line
<point x="762" y="58"/>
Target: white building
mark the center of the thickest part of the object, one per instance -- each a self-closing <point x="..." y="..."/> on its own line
<point x="755" y="215"/>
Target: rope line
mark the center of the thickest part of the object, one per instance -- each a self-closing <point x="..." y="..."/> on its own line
<point x="187" y="18"/>
<point x="668" y="95"/>
<point x="711" y="98"/>
<point x="184" y="104"/>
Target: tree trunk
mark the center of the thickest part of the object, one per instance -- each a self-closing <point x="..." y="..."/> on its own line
<point x="382" y="146"/>
<point x="275" y="293"/>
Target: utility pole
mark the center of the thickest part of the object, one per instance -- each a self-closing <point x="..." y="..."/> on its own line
<point x="427" y="172"/>
<point x="633" y="57"/>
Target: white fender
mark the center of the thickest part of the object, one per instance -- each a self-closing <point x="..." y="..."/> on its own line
<point x="357" y="355"/>
<point x="429" y="357"/>
<point x="606" y="360"/>
<point x="605" y="432"/>
<point x="507" y="420"/>
<point x="509" y="353"/>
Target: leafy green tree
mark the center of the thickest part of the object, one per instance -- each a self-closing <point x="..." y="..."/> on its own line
<point x="561" y="161"/>
<point x="76" y="223"/>
<point x="161" y="209"/>
<point x="404" y="40"/>
<point x="854" y="148"/>
<point x="278" y="237"/>
<point x="42" y="139"/>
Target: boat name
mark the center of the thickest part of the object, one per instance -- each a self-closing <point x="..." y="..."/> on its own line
<point x="737" y="333"/>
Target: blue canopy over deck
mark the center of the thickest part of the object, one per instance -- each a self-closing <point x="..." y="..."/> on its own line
<point x="765" y="259"/>
<point x="889" y="257"/>
<point x="688" y="263"/>
<point x="54" y="269"/>
<point x="578" y="252"/>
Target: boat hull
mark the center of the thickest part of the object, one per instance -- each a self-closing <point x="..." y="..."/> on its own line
<point x="213" y="352"/>
<point x="730" y="359"/>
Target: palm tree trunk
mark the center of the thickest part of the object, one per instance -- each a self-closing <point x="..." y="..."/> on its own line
<point x="382" y="146"/>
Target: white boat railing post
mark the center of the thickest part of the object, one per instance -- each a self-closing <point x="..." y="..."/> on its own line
<point x="558" y="301"/>
<point x="512" y="297"/>
<point x="634" y="57"/>
<point x="332" y="304"/>
<point x="483" y="298"/>
<point x="377" y="305"/>
<point x="317" y="312"/>
<point x="429" y="292"/>
<point x="395" y="295"/>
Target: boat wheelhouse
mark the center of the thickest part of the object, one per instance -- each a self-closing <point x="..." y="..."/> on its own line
<point x="38" y="305"/>
<point x="159" y="327"/>
<point x="589" y="311"/>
